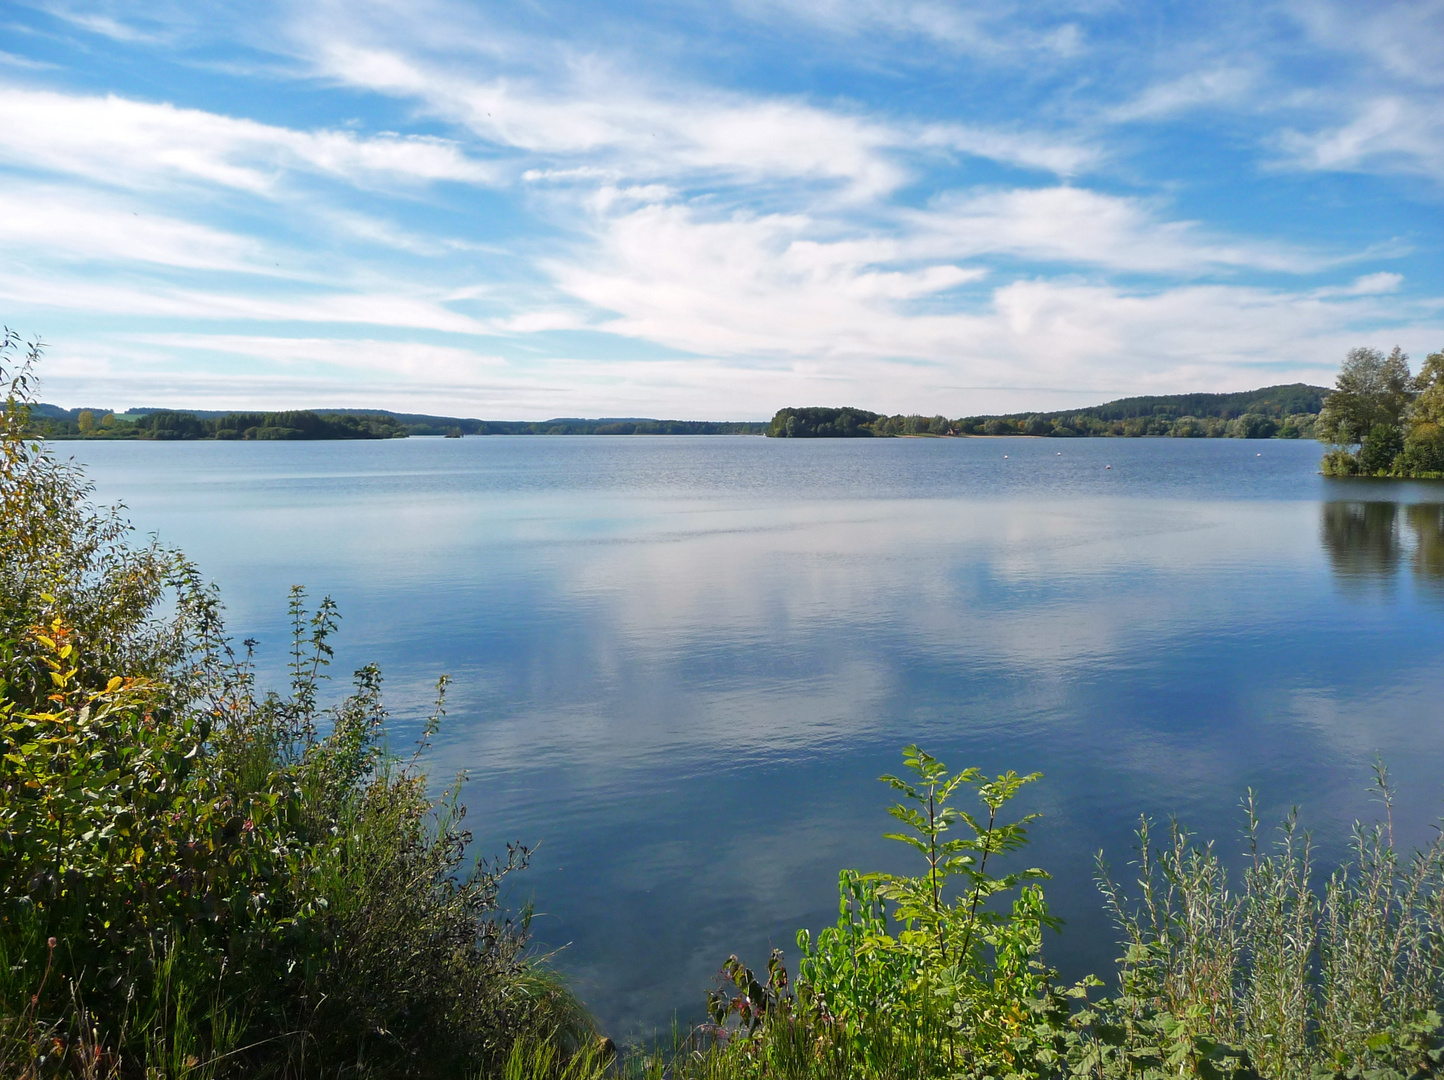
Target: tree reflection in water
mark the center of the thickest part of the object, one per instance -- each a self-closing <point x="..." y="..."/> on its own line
<point x="1426" y="522"/>
<point x="1366" y="545"/>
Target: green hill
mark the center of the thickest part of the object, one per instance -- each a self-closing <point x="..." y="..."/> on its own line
<point x="1286" y="411"/>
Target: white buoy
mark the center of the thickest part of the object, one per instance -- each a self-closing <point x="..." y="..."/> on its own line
<point x="1258" y="455"/>
<point x="1060" y="453"/>
<point x="1005" y="457"/>
<point x="1108" y="466"/>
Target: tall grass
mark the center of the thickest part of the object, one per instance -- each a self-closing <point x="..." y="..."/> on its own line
<point x="1291" y="974"/>
<point x="1307" y="975"/>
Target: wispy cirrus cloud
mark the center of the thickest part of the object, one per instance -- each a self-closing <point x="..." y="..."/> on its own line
<point x="593" y="116"/>
<point x="77" y="225"/>
<point x="712" y="211"/>
<point x="97" y="22"/>
<point x="1380" y="109"/>
<point x="422" y="361"/>
<point x="1224" y="85"/>
<point x="1386" y="134"/>
<point x="1079" y="227"/>
<point x="113" y="140"/>
<point x="990" y="30"/>
<point x="390" y="306"/>
<point x="1397" y="38"/>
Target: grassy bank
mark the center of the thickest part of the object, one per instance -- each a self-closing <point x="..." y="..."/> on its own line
<point x="200" y="878"/>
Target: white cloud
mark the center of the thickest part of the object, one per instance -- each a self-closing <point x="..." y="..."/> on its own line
<point x="743" y="284"/>
<point x="411" y="360"/>
<point x="118" y="379"/>
<point x="97" y="23"/>
<point x="1367" y="285"/>
<point x="386" y="233"/>
<point x="1400" y="37"/>
<point x="532" y="322"/>
<point x="1387" y="134"/>
<point x="392" y="307"/>
<point x="113" y="140"/>
<point x="798" y="286"/>
<point x="78" y="225"/>
<point x="793" y="246"/>
<point x="1027" y="339"/>
<point x="630" y="132"/>
<point x="623" y="127"/>
<point x="11" y="60"/>
<point x="993" y="31"/>
<point x="1032" y="151"/>
<point x="1380" y="85"/>
<point x="1082" y="227"/>
<point x="1215" y="86"/>
<point x="843" y="318"/>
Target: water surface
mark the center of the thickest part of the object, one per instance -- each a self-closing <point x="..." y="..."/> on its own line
<point x="680" y="663"/>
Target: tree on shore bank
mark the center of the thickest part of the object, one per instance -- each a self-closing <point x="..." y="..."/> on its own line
<point x="1381" y="420"/>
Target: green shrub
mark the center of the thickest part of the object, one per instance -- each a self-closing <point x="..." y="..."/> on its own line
<point x="918" y="977"/>
<point x="198" y="879"/>
<point x="1423" y="450"/>
<point x="1340" y="463"/>
<point x="1290" y="977"/>
<point x="1380" y="447"/>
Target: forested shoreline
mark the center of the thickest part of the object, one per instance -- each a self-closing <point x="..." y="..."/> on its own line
<point x="171" y="425"/>
<point x="1286" y="412"/>
<point x="53" y="422"/>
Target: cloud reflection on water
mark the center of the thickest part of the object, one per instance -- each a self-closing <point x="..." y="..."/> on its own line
<point x="681" y="664"/>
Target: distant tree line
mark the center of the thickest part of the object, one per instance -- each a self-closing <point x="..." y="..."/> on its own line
<point x="1287" y="412"/>
<point x="53" y="422"/>
<point x="821" y="423"/>
<point x="1384" y="421"/>
<point x="615" y="427"/>
<point x="166" y="424"/>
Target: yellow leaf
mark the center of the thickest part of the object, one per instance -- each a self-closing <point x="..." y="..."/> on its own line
<point x="114" y="684"/>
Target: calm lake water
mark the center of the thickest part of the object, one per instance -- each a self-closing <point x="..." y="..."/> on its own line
<point x="680" y="663"/>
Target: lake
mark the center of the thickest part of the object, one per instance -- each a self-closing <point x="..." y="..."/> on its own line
<point x="680" y="664"/>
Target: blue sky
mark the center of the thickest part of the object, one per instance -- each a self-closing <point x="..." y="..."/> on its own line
<point x="711" y="210"/>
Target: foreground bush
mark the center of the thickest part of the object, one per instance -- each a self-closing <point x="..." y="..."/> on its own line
<point x="198" y="879"/>
<point x="1290" y="976"/>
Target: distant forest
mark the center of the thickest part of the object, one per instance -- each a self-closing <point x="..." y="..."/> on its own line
<point x="1285" y="412"/>
<point x="53" y="422"/>
<point x="1288" y="412"/>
